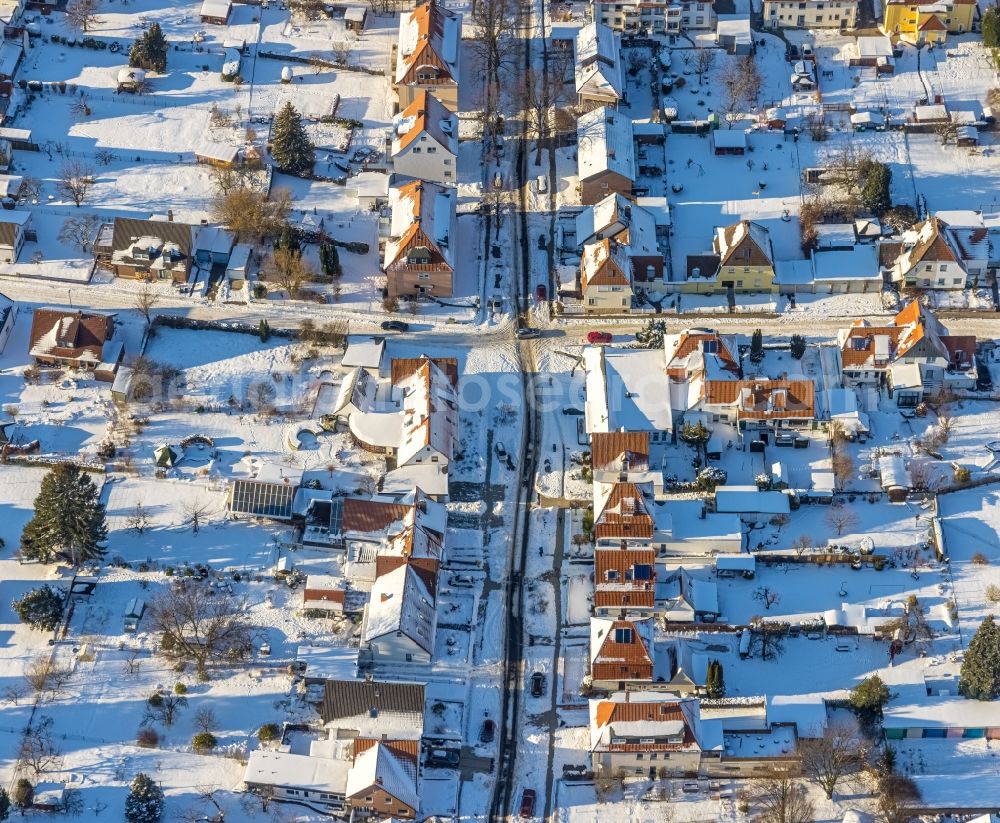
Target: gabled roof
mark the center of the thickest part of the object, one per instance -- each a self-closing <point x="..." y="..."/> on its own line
<point x="430" y="412"/>
<point x="401" y="602"/>
<point x="604" y="144"/>
<point x="371" y="516"/>
<point x="619" y="451"/>
<point x="71" y="335"/>
<point x="685" y="351"/>
<point x="642" y="722"/>
<point x="622" y="513"/>
<point x="353" y="698"/>
<point x="762" y="399"/>
<point x="128" y="230"/>
<point x="605" y="263"/>
<point x="598" y="63"/>
<point x="621" y="649"/>
<point x="744" y="244"/>
<point x="378" y="766"/>
<point x="426" y="115"/>
<point x="420" y="228"/>
<point x="624" y="578"/>
<point x="405" y="367"/>
<point x="927" y="242"/>
<point x="429" y="35"/>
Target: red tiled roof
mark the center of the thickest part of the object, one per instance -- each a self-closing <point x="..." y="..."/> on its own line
<point x="764" y="399"/>
<point x="371" y="515"/>
<point x="607" y="448"/>
<point x="624" y="514"/>
<point x="622" y="592"/>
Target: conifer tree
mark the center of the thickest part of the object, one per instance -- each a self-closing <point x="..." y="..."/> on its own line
<point x="290" y="146"/>
<point x="69" y="522"/>
<point x="144" y="803"/>
<point x="757" y="346"/>
<point x="150" y="50"/>
<point x="980" y="677"/>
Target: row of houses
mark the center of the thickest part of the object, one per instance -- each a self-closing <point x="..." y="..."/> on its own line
<point x="419" y="237"/>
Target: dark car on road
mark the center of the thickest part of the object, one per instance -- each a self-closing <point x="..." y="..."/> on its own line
<point x="528" y="803"/>
<point x="395" y="325"/>
<point x="527" y="334"/>
<point x="444" y="758"/>
<point x="537" y="684"/>
<point x="488" y="731"/>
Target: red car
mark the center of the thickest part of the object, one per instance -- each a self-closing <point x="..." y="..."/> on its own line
<point x="528" y="803"/>
<point x="541" y="293"/>
<point x="595" y="337"/>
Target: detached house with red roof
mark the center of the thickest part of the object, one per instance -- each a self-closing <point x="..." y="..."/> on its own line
<point x="761" y="404"/>
<point x="427" y="54"/>
<point x="942" y="254"/>
<point x="425" y="140"/>
<point x="75" y="340"/>
<point x="419" y="256"/>
<point x="643" y="732"/>
<point x="913" y="354"/>
<point x="741" y="262"/>
<point x="621" y="652"/>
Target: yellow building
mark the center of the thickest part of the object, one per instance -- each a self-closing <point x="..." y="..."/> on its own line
<point x="742" y="262"/>
<point x="928" y="22"/>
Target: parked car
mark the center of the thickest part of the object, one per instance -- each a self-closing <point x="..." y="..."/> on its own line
<point x="528" y="803"/>
<point x="527" y="334"/>
<point x="447" y="758"/>
<point x="595" y="337"/>
<point x="537" y="684"/>
<point x="488" y="731"/>
<point x="574" y="412"/>
<point x="395" y="325"/>
<point x="541" y="293"/>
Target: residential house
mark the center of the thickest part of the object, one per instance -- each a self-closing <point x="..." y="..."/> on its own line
<point x="626" y="391"/>
<point x="146" y="249"/>
<point x="750" y="503"/>
<point x="812" y="14"/>
<point x="383" y="781"/>
<point x="363" y="708"/>
<point x="642" y="732"/>
<point x="216" y="12"/>
<point x="912" y="353"/>
<point x="317" y="782"/>
<point x="936" y="255"/>
<point x="420" y="253"/>
<point x="400" y="619"/>
<point x="924" y="21"/>
<point x="425" y="140"/>
<point x="624" y="582"/>
<point x="364" y="353"/>
<point x="686" y="598"/>
<point x="606" y="278"/>
<point x="742" y="261"/>
<point x="638" y="246"/>
<point x="617" y="455"/>
<point x="427" y="54"/>
<point x="654" y="16"/>
<point x="605" y="155"/>
<point x="13" y="225"/>
<point x="851" y="270"/>
<point x="760" y="406"/>
<point x="213" y="246"/>
<point x="621" y="652"/>
<point x="75" y="340"/>
<point x="598" y="72"/>
<point x="733" y="33"/>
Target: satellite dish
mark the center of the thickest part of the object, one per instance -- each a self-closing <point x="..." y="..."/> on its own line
<point x="867" y="545"/>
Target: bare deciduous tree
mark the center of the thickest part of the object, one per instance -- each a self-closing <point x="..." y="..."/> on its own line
<point x="146" y="299"/>
<point x="44" y="676"/>
<point x="196" y="513"/>
<point x="342" y="51"/>
<point x="80" y="231"/>
<point x="494" y="43"/>
<point x="164" y="706"/>
<point x="781" y="799"/>
<point x="767" y="638"/>
<point x="838" y="756"/>
<point x="703" y="60"/>
<point x="37" y="750"/>
<point x="767" y="596"/>
<point x="253" y="214"/>
<point x="29" y="191"/>
<point x="843" y="467"/>
<point x="261" y="395"/>
<point x="204" y="720"/>
<point x="841" y="519"/>
<point x="138" y="519"/>
<point x="83" y="14"/>
<point x="76" y="178"/>
<point x="228" y="179"/>
<point x="199" y="628"/>
<point x="741" y="84"/>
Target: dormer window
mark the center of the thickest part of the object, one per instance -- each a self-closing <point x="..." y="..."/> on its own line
<point x="624" y="635"/>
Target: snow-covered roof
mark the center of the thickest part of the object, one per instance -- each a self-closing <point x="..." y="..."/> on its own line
<point x="874" y="46"/>
<point x="751" y="500"/>
<point x="423" y="214"/>
<point x="430" y="412"/>
<point x="429" y="35"/>
<point x="329" y="662"/>
<point x="857" y="263"/>
<point x="626" y="390"/>
<point x="729" y="138"/>
<point x="431" y="477"/>
<point x="214" y="150"/>
<point x="378" y="766"/>
<point x="216" y="8"/>
<point x="604" y="144"/>
<point x="736" y="562"/>
<point x="598" y="63"/>
<point x="687" y="520"/>
<point x="297" y="771"/>
<point x="892" y="470"/>
<point x="427" y="117"/>
<point x="926" y="712"/>
<point x="735" y="27"/>
<point x="867" y="118"/>
<point x="400" y="602"/>
<point x="364" y="352"/>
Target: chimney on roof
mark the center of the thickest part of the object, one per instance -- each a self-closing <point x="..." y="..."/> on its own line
<point x="170" y="215"/>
